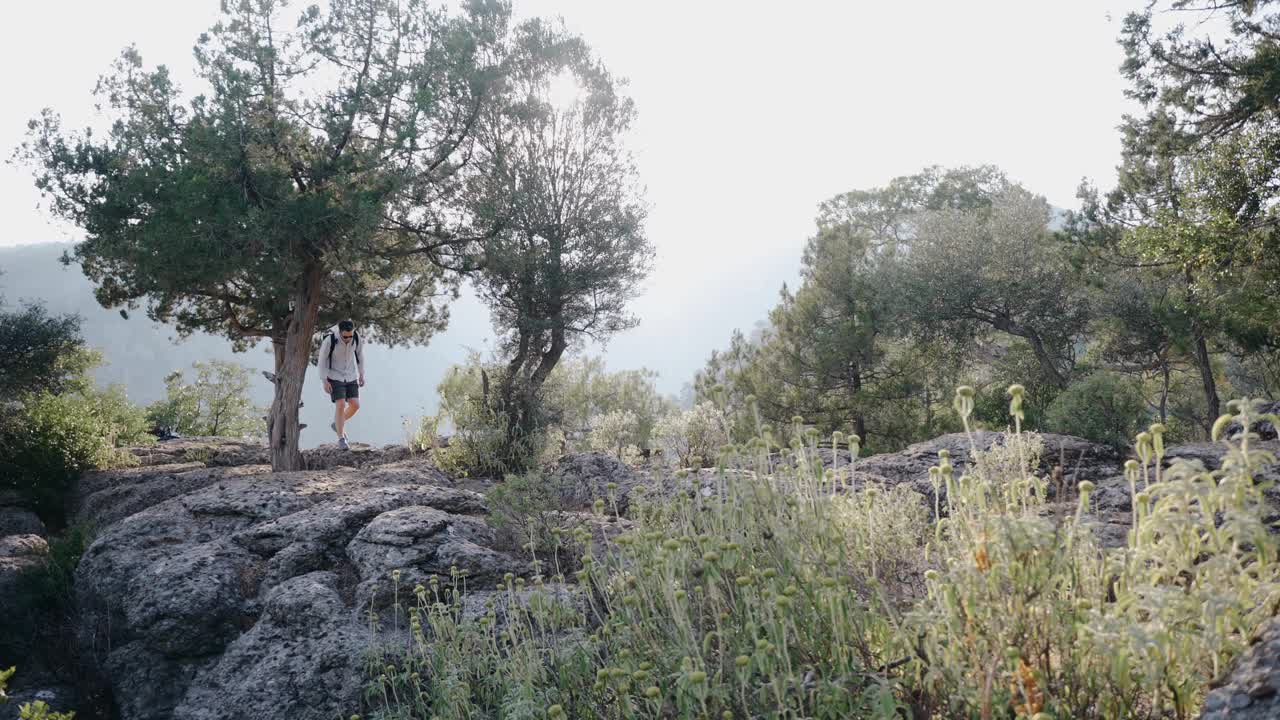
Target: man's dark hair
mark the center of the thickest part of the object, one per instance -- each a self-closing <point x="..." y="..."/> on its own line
<point x="346" y="325"/>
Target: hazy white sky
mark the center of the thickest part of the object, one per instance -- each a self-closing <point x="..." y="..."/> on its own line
<point x="750" y="114"/>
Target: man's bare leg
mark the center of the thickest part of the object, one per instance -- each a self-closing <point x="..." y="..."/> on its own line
<point x="340" y="417"/>
<point x="353" y="407"/>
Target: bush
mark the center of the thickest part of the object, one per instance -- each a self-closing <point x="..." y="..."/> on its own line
<point x="41" y="350"/>
<point x="699" y="432"/>
<point x="479" y="445"/>
<point x="615" y="432"/>
<point x="523" y="511"/>
<point x="1031" y="615"/>
<point x="50" y="439"/>
<point x="216" y="403"/>
<point x="49" y="588"/>
<point x="1103" y="407"/>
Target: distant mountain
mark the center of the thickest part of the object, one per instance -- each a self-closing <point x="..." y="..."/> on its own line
<point x="682" y="320"/>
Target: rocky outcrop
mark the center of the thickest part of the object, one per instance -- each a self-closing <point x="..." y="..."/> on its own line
<point x="1265" y="429"/>
<point x="213" y="589"/>
<point x="579" y="480"/>
<point x="216" y="585"/>
<point x="1113" y="494"/>
<point x="1079" y="458"/>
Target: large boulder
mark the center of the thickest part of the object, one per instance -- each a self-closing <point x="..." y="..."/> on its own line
<point x="1079" y="458"/>
<point x="209" y="590"/>
<point x="17" y="520"/>
<point x="581" y="479"/>
<point x="301" y="654"/>
<point x="1112" y="494"/>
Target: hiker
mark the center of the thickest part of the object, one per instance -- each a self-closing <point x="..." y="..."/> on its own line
<point x="342" y="367"/>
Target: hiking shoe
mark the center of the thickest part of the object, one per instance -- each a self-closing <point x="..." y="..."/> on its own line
<point x="342" y="444"/>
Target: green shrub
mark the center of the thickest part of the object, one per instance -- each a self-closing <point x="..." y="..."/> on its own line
<point x="698" y="432"/>
<point x="49" y="440"/>
<point x="214" y="403"/>
<point x="479" y="445"/>
<point x="1103" y="407"/>
<point x="520" y="510"/>
<point x="710" y="604"/>
<point x="616" y="433"/>
<point x="1027" y="614"/>
<point x="49" y="587"/>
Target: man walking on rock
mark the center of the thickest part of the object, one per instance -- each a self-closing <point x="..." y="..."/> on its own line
<point x="342" y="367"/>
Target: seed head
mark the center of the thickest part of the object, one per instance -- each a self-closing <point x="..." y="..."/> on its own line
<point x="1219" y="425"/>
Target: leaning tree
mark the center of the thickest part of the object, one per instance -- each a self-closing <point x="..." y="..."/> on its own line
<point x="323" y="171"/>
<point x="572" y="250"/>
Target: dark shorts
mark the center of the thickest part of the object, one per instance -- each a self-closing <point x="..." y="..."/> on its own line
<point x="344" y="391"/>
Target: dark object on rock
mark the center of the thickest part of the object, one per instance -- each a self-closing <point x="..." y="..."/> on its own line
<point x="163" y="432"/>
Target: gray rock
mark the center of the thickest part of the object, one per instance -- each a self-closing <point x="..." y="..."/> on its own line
<point x="421" y="542"/>
<point x="1265" y="429"/>
<point x="581" y="479"/>
<point x="106" y="497"/>
<point x="1112" y="493"/>
<point x="16" y="520"/>
<point x="241" y="588"/>
<point x="301" y="659"/>
<point x="18" y="555"/>
<point x="1252" y="689"/>
<point x="1082" y="460"/>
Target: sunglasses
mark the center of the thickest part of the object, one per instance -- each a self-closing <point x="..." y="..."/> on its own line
<point x="347" y="337"/>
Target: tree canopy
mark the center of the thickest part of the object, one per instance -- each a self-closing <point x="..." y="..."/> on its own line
<point x="329" y="167"/>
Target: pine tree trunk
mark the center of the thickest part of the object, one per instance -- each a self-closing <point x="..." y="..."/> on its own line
<point x="1205" y="365"/>
<point x="291" y="357"/>
<point x="1046" y="362"/>
<point x="1164" y="392"/>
